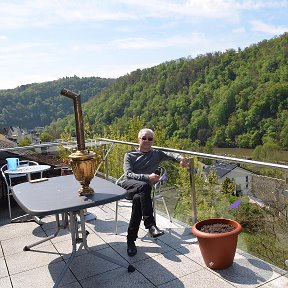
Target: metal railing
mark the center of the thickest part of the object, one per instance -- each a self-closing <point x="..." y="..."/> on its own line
<point x="263" y="182"/>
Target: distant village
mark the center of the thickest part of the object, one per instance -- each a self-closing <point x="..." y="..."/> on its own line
<point x="10" y="137"/>
<point x="13" y="134"/>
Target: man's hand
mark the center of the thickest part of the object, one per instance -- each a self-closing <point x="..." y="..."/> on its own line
<point x="154" y="178"/>
<point x="185" y="163"/>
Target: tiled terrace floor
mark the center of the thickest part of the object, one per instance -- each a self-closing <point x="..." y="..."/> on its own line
<point x="174" y="260"/>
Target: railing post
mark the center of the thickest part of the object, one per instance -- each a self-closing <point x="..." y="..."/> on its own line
<point x="192" y="173"/>
<point x="286" y="194"/>
<point x="106" y="161"/>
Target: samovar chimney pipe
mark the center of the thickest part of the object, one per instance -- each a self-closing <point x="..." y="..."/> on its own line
<point x="78" y="117"/>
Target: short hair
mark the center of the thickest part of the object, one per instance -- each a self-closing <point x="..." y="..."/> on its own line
<point x="145" y="130"/>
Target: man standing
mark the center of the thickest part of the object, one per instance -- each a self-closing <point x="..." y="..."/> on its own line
<point x="139" y="172"/>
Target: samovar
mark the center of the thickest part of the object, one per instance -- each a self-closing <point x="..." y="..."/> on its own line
<point x="82" y="162"/>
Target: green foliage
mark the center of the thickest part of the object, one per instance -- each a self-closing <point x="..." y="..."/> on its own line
<point x="266" y="246"/>
<point x="212" y="177"/>
<point x="34" y="105"/>
<point x="221" y="99"/>
<point x="251" y="216"/>
<point x="266" y="152"/>
<point x="25" y="142"/>
<point x="228" y="186"/>
<point x="46" y="137"/>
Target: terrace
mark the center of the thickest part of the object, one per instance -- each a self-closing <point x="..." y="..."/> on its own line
<point x="174" y="260"/>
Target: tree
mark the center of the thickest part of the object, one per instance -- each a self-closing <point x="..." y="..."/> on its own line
<point x="266" y="152"/>
<point x="25" y="142"/>
<point x="228" y="186"/>
<point x="46" y="137"/>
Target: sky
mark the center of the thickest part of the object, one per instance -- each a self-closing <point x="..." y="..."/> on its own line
<point x="45" y="40"/>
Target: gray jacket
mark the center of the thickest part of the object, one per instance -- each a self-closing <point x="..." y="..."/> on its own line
<point x="138" y="165"/>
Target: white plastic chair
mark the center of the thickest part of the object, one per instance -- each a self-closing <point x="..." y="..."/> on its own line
<point x="156" y="195"/>
<point x="8" y="178"/>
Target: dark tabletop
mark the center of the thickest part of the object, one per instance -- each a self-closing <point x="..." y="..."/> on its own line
<point x="60" y="194"/>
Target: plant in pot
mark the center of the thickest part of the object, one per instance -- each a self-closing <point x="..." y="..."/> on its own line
<point x="217" y="238"/>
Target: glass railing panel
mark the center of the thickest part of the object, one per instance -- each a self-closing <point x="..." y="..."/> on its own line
<point x="264" y="217"/>
<point x="254" y="195"/>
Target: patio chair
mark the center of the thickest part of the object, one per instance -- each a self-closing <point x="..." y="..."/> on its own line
<point x="156" y="195"/>
<point x="10" y="179"/>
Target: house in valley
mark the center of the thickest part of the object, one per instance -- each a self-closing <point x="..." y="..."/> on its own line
<point x="240" y="176"/>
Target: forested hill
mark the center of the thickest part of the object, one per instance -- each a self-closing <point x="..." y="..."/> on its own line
<point x="34" y="105"/>
<point x="231" y="99"/>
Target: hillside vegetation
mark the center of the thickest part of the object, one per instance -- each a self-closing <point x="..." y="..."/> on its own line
<point x="34" y="105"/>
<point x="231" y="99"/>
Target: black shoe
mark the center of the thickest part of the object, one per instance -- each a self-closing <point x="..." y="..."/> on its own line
<point x="155" y="232"/>
<point x="131" y="248"/>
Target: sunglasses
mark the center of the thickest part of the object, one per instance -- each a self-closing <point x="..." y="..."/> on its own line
<point x="147" y="138"/>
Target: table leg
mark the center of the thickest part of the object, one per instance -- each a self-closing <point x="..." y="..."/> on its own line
<point x="74" y="229"/>
<point x="74" y="236"/>
<point x="64" y="225"/>
<point x="26" y="218"/>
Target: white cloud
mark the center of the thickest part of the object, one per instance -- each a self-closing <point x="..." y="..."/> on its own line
<point x="270" y="29"/>
<point x="239" y="30"/>
<point x="33" y="13"/>
<point x="144" y="43"/>
<point x="10" y="49"/>
<point x="212" y="8"/>
<point x="140" y="43"/>
<point x="184" y="8"/>
<point x="127" y="34"/>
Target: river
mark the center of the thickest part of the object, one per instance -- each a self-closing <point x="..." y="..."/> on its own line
<point x="247" y="153"/>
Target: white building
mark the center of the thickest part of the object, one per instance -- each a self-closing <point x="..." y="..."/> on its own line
<point x="241" y="177"/>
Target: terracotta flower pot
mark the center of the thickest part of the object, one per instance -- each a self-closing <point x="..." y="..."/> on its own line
<point x="217" y="249"/>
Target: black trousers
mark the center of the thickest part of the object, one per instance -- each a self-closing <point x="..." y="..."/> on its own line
<point x="140" y="193"/>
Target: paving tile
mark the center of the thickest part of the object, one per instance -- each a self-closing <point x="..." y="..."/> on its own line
<point x="4" y="218"/>
<point x="191" y="251"/>
<point x="109" y="206"/>
<point x="172" y="260"/>
<point x="178" y="238"/>
<point x="166" y="267"/>
<point x="88" y="265"/>
<point x="280" y="282"/>
<point x="117" y="278"/>
<point x="249" y="271"/>
<point x="198" y="279"/>
<point x="43" y="277"/>
<point x="4" y="214"/>
<point x="13" y="230"/>
<point x="94" y="242"/>
<point x="5" y="282"/>
<point x="27" y="260"/>
<point x="49" y="222"/>
<point x="16" y="244"/>
<point x="163" y="220"/>
<point x="102" y="212"/>
<point x="63" y="235"/>
<point x="106" y="225"/>
<point x="72" y="285"/>
<point x="3" y="268"/>
<point x="110" y="237"/>
<point x="145" y="249"/>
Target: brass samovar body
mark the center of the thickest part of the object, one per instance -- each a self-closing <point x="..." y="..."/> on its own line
<point x="82" y="162"/>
